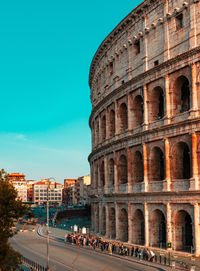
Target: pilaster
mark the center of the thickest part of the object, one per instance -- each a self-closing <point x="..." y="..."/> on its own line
<point x="130" y="224"/>
<point x="146" y="217"/>
<point x="167" y="186"/>
<point x="169" y="224"/>
<point x="129" y="170"/>
<point x="196" y="229"/>
<point x="146" y="119"/>
<point x="194" y="182"/>
<point x="116" y="172"/>
<point x="145" y="161"/>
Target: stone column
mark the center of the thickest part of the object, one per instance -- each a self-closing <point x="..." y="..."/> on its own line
<point x="130" y="121"/>
<point x="196" y="229"/>
<point x="194" y="90"/>
<point x="193" y="26"/>
<point x="130" y="51"/>
<point x="92" y="216"/>
<point x="146" y="118"/>
<point x="146" y="218"/>
<point x="99" y="177"/>
<point x="145" y="46"/>
<point x="107" y="124"/>
<point x="116" y="120"/>
<point x="166" y="33"/>
<point x="169" y="224"/>
<point x="117" y="221"/>
<point x="167" y="101"/>
<point x="129" y="170"/>
<point x="100" y="217"/>
<point x="145" y="161"/>
<point x="116" y="173"/>
<point x="167" y="186"/>
<point x="130" y="224"/>
<point x="194" y="183"/>
<point x="107" y="221"/>
<point x="106" y="173"/>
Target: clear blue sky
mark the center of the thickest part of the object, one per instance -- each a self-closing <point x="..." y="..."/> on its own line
<point x="45" y="53"/>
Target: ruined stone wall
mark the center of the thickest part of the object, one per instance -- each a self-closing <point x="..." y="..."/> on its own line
<point x="145" y="123"/>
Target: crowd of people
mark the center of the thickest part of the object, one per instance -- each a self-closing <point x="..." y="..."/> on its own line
<point x="110" y="247"/>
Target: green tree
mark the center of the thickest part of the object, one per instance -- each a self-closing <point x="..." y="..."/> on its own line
<point x="11" y="208"/>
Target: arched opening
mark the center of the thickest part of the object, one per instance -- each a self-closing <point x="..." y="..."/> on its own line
<point x="122" y="169"/>
<point x="123" y="225"/>
<point x="183" y="236"/>
<point x="112" y="123"/>
<point x="95" y="176"/>
<point x="138" y="172"/>
<point x="157" y="168"/>
<point x="97" y="218"/>
<point x="138" y="111"/>
<point x="112" y="224"/>
<point x="138" y="228"/>
<point x="97" y="132"/>
<point x="123" y="115"/>
<point x="103" y="231"/>
<point x="181" y="99"/>
<point x="158" y="229"/>
<point x="103" y="128"/>
<point x="93" y="134"/>
<point x="102" y="174"/>
<point x="111" y="169"/>
<point x="181" y="161"/>
<point x="156" y="104"/>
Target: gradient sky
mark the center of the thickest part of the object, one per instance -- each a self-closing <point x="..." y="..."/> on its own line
<point x="45" y="53"/>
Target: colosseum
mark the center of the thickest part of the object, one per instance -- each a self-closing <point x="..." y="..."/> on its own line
<point x="145" y="123"/>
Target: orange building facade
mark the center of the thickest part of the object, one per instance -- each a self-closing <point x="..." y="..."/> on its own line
<point x="145" y="124"/>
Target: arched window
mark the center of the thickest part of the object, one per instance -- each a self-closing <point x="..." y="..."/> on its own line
<point x="112" y="123"/>
<point x="181" y="95"/>
<point x="111" y="172"/>
<point x="138" y="171"/>
<point x="103" y="128"/>
<point x="138" y="111"/>
<point x="102" y="174"/>
<point x="123" y="114"/>
<point x="122" y="170"/>
<point x="156" y="104"/>
<point x="157" y="168"/>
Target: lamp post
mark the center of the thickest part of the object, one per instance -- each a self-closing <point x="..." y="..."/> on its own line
<point x="48" y="189"/>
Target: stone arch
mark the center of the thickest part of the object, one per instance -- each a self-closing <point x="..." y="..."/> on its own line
<point x="112" y="123"/>
<point x="123" y="116"/>
<point x="103" y="230"/>
<point x="123" y="225"/>
<point x="157" y="165"/>
<point x="183" y="231"/>
<point x="112" y="223"/>
<point x="138" y="111"/>
<point x="138" y="227"/>
<point x="103" y="128"/>
<point x="122" y="170"/>
<point x="95" y="175"/>
<point x="181" y="161"/>
<point x="111" y="171"/>
<point x="102" y="174"/>
<point x="181" y="95"/>
<point x="158" y="229"/>
<point x="138" y="167"/>
<point x="156" y="104"/>
<point x="97" y="218"/>
<point x="97" y="132"/>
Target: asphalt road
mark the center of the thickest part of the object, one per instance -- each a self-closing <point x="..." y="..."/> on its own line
<point x="68" y="257"/>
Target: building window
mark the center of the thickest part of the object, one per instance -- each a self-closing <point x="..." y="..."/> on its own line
<point x="156" y="63"/>
<point x="136" y="47"/>
<point x="179" y="21"/>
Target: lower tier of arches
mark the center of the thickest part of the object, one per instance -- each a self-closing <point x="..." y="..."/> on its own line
<point x="174" y="226"/>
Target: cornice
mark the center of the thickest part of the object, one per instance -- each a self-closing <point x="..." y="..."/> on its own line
<point x="143" y="75"/>
<point x="143" y="133"/>
<point x="138" y="12"/>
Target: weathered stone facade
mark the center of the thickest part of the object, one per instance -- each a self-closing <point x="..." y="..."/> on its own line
<point x="145" y="122"/>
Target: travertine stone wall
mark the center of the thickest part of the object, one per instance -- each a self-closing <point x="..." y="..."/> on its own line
<point x="145" y="124"/>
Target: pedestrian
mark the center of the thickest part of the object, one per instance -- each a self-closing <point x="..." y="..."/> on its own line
<point x="140" y="254"/>
<point x="152" y="255"/>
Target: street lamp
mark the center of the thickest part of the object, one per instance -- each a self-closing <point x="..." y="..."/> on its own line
<point x="48" y="189"/>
